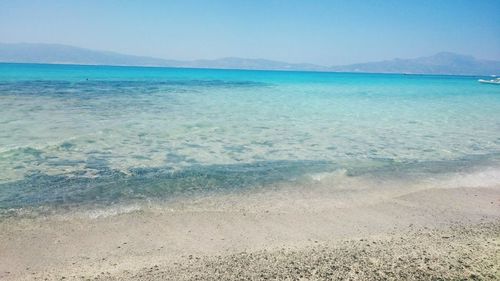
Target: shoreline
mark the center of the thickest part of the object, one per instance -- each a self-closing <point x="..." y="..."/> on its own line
<point x="238" y="228"/>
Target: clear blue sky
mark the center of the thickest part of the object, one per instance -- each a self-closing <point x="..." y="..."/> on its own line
<point x="325" y="32"/>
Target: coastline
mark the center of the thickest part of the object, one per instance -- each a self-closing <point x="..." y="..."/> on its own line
<point x="313" y="229"/>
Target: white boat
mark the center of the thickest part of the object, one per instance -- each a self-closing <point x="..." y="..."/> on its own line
<point x="492" y="81"/>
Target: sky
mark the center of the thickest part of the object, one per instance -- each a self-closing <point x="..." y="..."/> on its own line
<point x="326" y="32"/>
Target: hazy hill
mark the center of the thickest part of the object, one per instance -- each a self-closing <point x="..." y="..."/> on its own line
<point x="441" y="63"/>
<point x="56" y="53"/>
<point x="242" y="63"/>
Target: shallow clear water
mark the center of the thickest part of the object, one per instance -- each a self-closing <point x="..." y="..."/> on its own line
<point x="76" y="134"/>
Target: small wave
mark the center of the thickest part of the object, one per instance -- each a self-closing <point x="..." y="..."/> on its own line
<point x="488" y="177"/>
<point x="108" y="212"/>
<point x="329" y="176"/>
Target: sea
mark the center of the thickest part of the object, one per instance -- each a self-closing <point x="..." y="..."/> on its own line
<point x="75" y="136"/>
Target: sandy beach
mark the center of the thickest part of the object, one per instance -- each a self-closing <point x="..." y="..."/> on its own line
<point x="412" y="233"/>
<point x="459" y="253"/>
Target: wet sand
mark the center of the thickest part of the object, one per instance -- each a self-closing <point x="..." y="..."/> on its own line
<point x="315" y="234"/>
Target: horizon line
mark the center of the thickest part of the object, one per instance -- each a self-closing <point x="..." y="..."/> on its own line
<point x="246" y="69"/>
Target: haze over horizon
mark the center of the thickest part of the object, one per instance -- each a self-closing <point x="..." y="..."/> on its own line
<point x="323" y="32"/>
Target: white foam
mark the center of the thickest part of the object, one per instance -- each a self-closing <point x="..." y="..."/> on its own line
<point x="101" y="212"/>
<point x="326" y="176"/>
<point x="489" y="177"/>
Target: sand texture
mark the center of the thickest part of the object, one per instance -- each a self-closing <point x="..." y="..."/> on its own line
<point x="385" y="234"/>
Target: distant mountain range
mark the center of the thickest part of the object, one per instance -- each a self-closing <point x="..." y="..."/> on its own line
<point x="441" y="63"/>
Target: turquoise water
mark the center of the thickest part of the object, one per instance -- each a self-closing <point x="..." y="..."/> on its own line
<point x="85" y="134"/>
